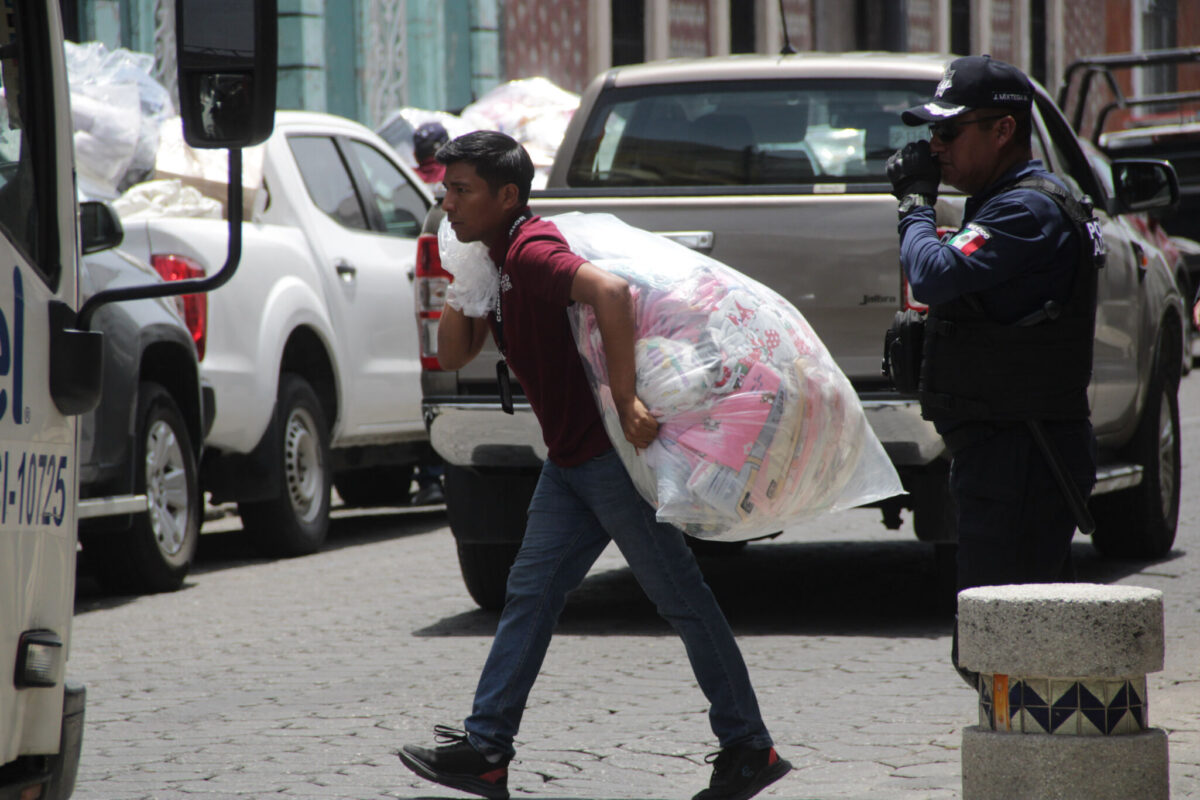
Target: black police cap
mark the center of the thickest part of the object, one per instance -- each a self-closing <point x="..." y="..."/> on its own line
<point x="974" y="82"/>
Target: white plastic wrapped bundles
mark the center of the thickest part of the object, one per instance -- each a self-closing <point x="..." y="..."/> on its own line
<point x="759" y="428"/>
<point x="534" y="111"/>
<point x="164" y="198"/>
<point x="117" y="107"/>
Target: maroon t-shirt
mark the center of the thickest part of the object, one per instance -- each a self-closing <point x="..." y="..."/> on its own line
<point x="536" y="271"/>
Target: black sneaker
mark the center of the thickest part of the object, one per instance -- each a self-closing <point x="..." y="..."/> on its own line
<point x="739" y="773"/>
<point x="458" y="764"/>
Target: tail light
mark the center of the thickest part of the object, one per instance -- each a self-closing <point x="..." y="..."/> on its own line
<point x="192" y="307"/>
<point x="911" y="303"/>
<point x="430" y="296"/>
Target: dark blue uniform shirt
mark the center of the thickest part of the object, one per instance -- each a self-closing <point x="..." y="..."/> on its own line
<point x="1016" y="250"/>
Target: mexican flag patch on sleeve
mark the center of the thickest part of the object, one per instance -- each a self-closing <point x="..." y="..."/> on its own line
<point x="970" y="238"/>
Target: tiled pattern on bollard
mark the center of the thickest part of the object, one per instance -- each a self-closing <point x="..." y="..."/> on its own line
<point x="1072" y="706"/>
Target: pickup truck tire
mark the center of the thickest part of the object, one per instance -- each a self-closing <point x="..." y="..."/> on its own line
<point x="485" y="571"/>
<point x="487" y="514"/>
<point x="712" y="548"/>
<point x="374" y="486"/>
<point x="155" y="553"/>
<point x="296" y="522"/>
<point x="1140" y="522"/>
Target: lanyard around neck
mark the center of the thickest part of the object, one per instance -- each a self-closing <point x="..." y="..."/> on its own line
<point x="521" y="219"/>
<point x="504" y="385"/>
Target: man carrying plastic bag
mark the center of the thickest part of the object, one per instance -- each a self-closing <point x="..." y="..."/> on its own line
<point x="584" y="496"/>
<point x="758" y="427"/>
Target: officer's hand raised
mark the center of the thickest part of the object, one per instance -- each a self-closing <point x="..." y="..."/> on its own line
<point x="913" y="169"/>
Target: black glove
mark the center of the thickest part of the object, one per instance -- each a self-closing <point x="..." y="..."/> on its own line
<point x="913" y="169"/>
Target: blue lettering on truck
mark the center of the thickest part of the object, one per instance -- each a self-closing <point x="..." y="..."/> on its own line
<point x="12" y="350"/>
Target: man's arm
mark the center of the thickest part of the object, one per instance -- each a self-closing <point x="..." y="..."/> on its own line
<point x="609" y="297"/>
<point x="460" y="338"/>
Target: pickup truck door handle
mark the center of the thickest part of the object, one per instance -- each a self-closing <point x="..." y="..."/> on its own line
<point x="345" y="270"/>
<point x="696" y="240"/>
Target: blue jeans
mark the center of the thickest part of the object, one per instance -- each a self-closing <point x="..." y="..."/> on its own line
<point x="573" y="514"/>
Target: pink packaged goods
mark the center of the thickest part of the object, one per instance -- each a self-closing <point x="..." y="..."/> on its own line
<point x="759" y="427"/>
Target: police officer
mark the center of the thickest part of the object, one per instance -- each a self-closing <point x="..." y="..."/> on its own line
<point x="1007" y="355"/>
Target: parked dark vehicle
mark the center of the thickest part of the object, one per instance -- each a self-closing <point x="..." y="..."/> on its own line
<point x="140" y="506"/>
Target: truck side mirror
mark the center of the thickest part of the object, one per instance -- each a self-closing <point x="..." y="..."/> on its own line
<point x="226" y="52"/>
<point x="99" y="227"/>
<point x="1144" y="185"/>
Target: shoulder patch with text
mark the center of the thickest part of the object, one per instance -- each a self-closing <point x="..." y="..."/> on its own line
<point x="970" y="238"/>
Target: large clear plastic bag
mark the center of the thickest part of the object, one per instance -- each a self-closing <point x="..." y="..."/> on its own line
<point x="759" y="428"/>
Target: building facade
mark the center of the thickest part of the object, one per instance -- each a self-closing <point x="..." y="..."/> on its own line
<point x="365" y="58"/>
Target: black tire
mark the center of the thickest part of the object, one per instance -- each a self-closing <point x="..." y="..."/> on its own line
<point x="1140" y="522"/>
<point x="485" y="571"/>
<point x="712" y="548"/>
<point x="374" y="486"/>
<point x="296" y="522"/>
<point x="487" y="515"/>
<point x="155" y="553"/>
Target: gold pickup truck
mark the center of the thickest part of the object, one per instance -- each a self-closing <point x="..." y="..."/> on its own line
<point x="775" y="166"/>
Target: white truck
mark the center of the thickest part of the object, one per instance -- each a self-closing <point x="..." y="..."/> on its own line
<point x="50" y="364"/>
<point x="311" y="352"/>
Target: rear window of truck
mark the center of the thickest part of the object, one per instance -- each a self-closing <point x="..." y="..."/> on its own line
<point x="746" y="133"/>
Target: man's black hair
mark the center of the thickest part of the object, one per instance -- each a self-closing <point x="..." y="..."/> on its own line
<point x="1022" y="133"/>
<point x="498" y="158"/>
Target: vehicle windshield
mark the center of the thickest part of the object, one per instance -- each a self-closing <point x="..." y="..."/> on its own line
<point x="746" y="133"/>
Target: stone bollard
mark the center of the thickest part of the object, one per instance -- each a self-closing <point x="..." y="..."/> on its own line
<point x="1062" y="692"/>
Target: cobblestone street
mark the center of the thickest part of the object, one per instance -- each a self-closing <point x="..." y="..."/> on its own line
<point x="300" y="678"/>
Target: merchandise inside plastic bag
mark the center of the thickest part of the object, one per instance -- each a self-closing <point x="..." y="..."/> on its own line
<point x="759" y="428"/>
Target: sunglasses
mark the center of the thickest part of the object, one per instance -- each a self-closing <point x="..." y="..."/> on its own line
<point x="949" y="130"/>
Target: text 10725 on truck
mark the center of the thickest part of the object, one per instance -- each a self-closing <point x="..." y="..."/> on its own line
<point x="775" y="166"/>
<point x="50" y="363"/>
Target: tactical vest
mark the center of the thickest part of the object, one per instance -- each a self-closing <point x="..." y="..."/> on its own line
<point x="1039" y="367"/>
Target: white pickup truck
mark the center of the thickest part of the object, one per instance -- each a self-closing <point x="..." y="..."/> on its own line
<point x="311" y="350"/>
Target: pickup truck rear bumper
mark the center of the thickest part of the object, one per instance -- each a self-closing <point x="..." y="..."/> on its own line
<point x="481" y="435"/>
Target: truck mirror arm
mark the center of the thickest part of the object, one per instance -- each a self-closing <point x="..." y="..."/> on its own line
<point x="195" y="285"/>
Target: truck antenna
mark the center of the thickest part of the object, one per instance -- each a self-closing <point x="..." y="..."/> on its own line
<point x="787" y="40"/>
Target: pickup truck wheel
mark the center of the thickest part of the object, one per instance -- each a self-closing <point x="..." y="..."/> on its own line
<point x="712" y="548"/>
<point x="1140" y="522"/>
<point x="487" y="515"/>
<point x="156" y="552"/>
<point x="296" y="522"/>
<point x="485" y="571"/>
<point x="374" y="486"/>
